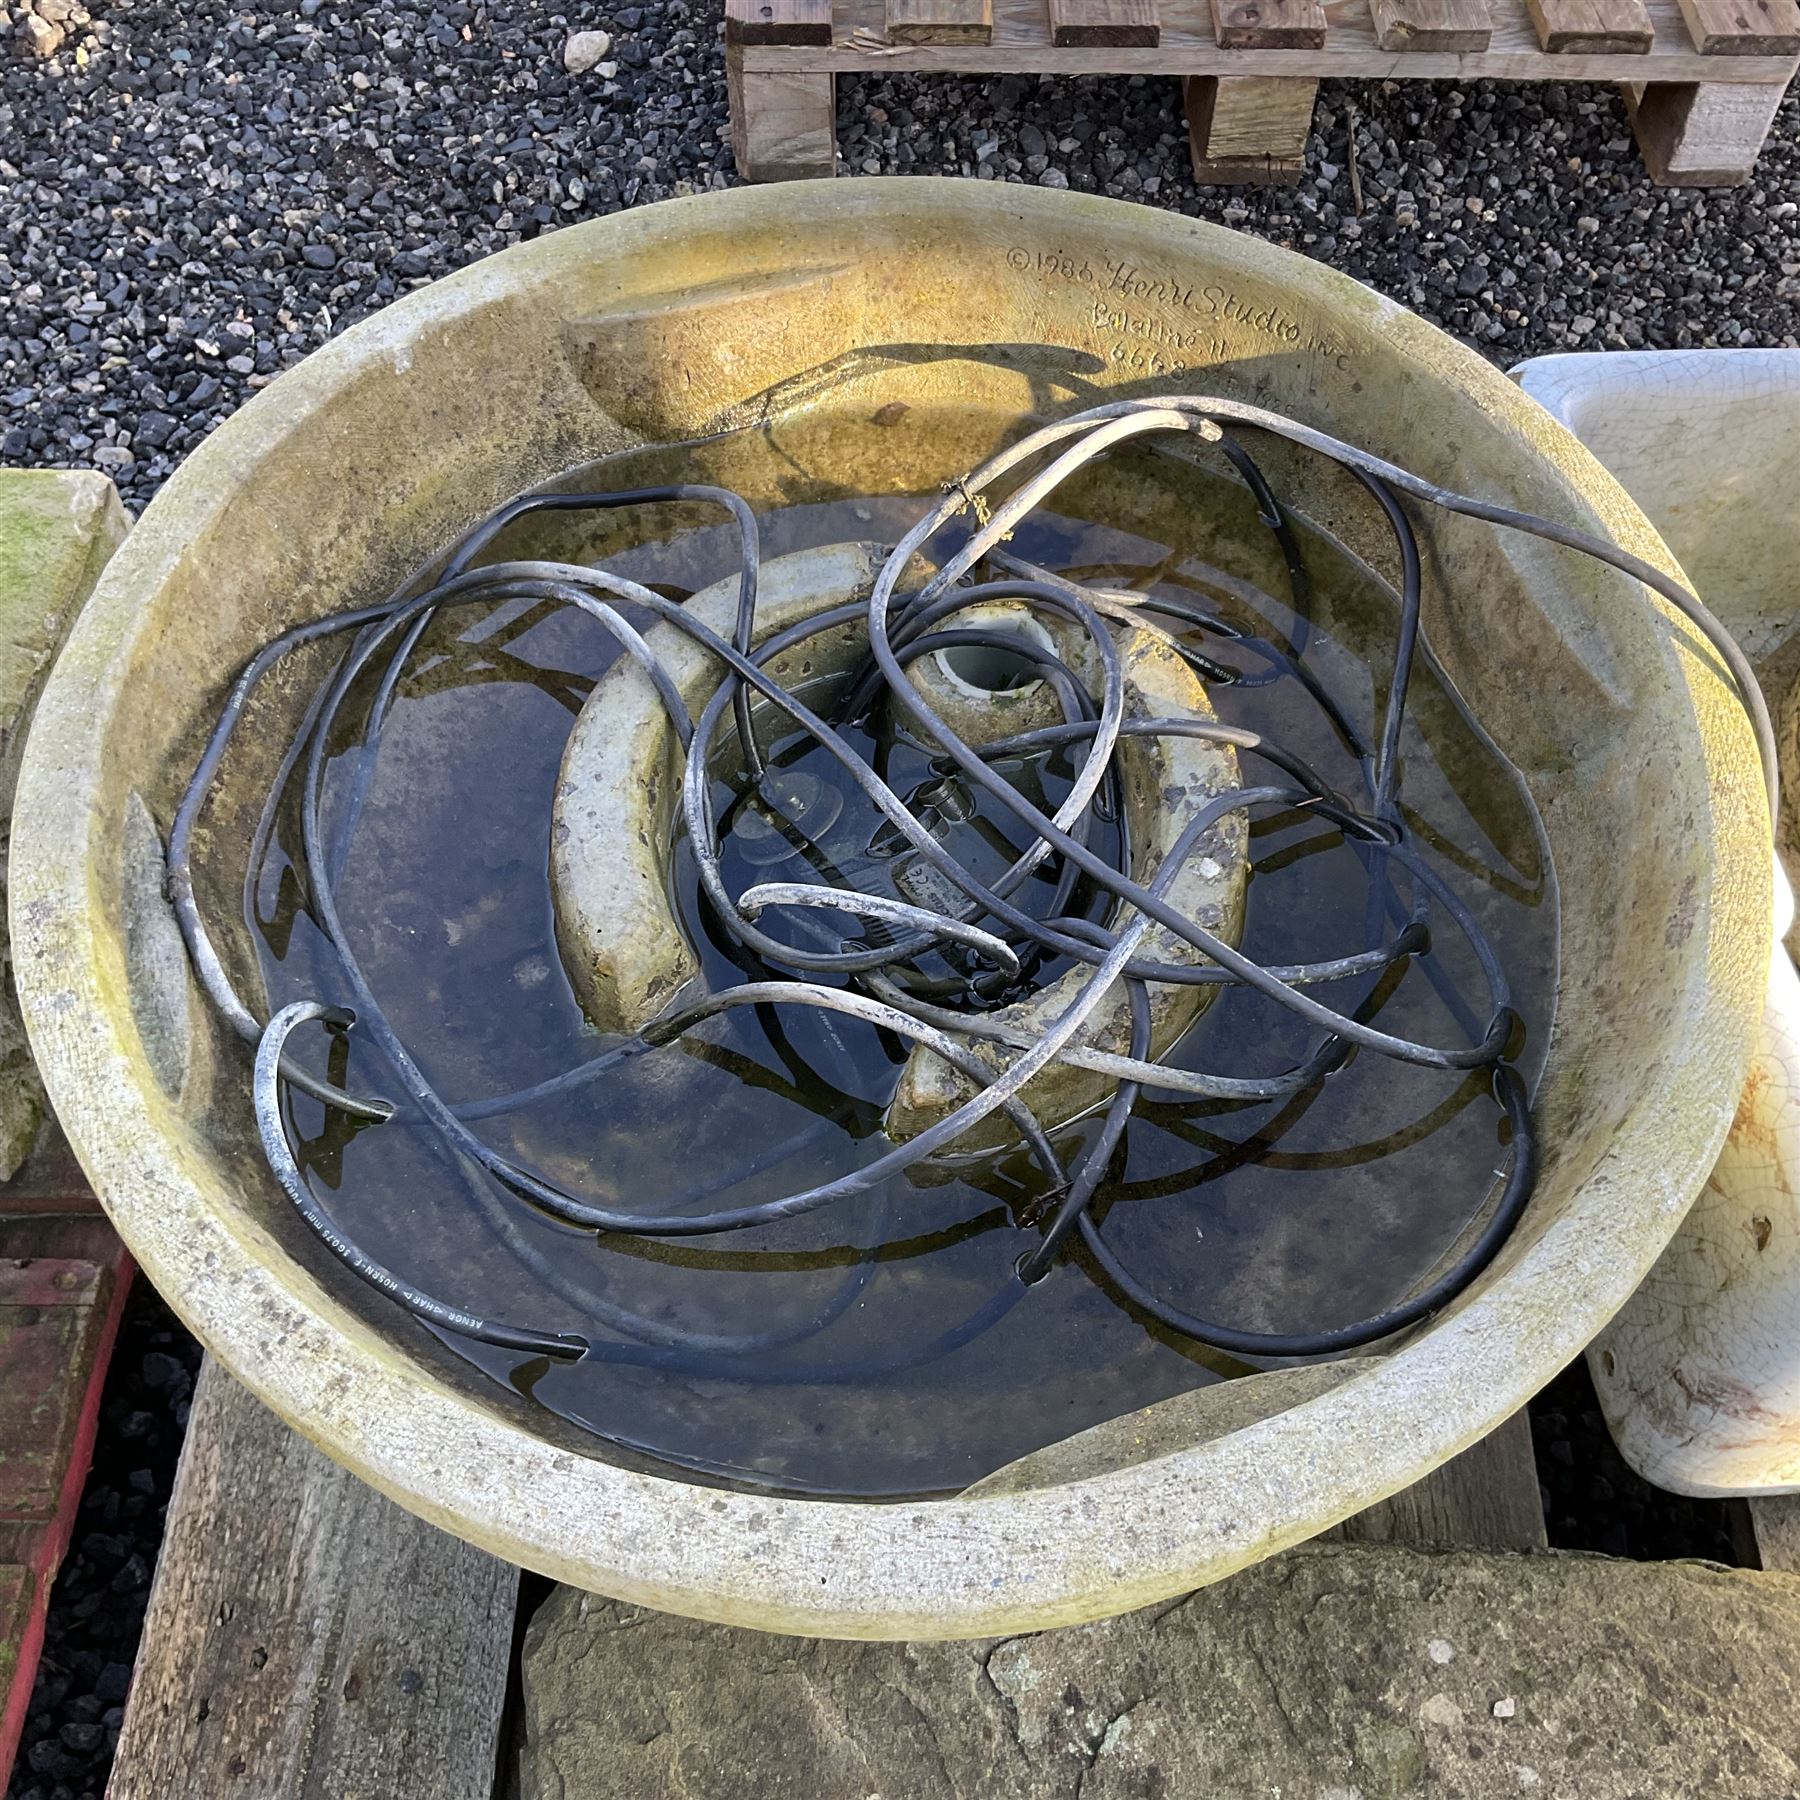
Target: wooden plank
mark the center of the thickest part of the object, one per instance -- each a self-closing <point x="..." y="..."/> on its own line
<point x="940" y="21"/>
<point x="50" y="1281"/>
<point x="1574" y="26"/>
<point x="1021" y="45"/>
<point x="1112" y="24"/>
<point x="1248" y="128"/>
<point x="20" y="1627"/>
<point x="1743" y="27"/>
<point x="51" y="1323"/>
<point x="1486" y="1499"/>
<point x="1268" y="24"/>
<point x="306" y="1638"/>
<point x="1775" y="1522"/>
<point x="1461" y="25"/>
<point x="778" y="22"/>
<point x="63" y="1282"/>
<point x="49" y="1181"/>
<point x="1701" y="134"/>
<point x="783" y="126"/>
<point x="15" y="1592"/>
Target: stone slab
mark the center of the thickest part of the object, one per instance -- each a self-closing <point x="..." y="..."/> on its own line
<point x="57" y="529"/>
<point x="1367" y="1672"/>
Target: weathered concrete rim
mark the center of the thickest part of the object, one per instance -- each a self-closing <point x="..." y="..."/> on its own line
<point x="1007" y="1564"/>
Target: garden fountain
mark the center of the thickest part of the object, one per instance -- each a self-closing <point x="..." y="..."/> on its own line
<point x="852" y="349"/>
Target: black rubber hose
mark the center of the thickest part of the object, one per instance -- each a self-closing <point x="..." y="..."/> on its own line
<point x="900" y="630"/>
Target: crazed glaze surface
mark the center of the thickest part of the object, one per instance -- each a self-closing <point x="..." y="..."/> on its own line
<point x="1699" y="1374"/>
<point x="348" y="472"/>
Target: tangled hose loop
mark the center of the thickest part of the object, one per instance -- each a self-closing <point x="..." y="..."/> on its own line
<point x="925" y="975"/>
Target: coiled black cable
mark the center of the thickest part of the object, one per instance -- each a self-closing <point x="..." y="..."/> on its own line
<point x="886" y="985"/>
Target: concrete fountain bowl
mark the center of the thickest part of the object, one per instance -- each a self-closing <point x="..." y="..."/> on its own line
<point x="876" y="300"/>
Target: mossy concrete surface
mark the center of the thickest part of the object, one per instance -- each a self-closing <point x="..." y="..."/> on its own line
<point x="57" y="529"/>
<point x="1364" y="1672"/>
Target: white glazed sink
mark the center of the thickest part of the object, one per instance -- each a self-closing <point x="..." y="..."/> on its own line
<point x="1707" y="442"/>
<point x="1699" y="1375"/>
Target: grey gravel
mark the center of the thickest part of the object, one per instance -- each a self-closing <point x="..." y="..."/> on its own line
<point x="192" y="196"/>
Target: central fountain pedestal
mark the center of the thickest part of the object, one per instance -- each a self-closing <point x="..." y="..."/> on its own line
<point x="617" y="812"/>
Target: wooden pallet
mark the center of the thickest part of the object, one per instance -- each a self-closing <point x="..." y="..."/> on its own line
<point x="1702" y="78"/>
<point x="63" y="1281"/>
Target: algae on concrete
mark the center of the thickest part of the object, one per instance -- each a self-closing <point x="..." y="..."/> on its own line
<point x="57" y="529"/>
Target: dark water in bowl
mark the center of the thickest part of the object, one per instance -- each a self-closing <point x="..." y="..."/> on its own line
<point x="880" y="1347"/>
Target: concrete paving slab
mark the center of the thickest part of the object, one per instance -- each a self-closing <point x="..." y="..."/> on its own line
<point x="57" y="529"/>
<point x="1357" y="1672"/>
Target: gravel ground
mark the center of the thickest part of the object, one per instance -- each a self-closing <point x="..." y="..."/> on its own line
<point x="194" y="194"/>
<point x="1593" y="1501"/>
